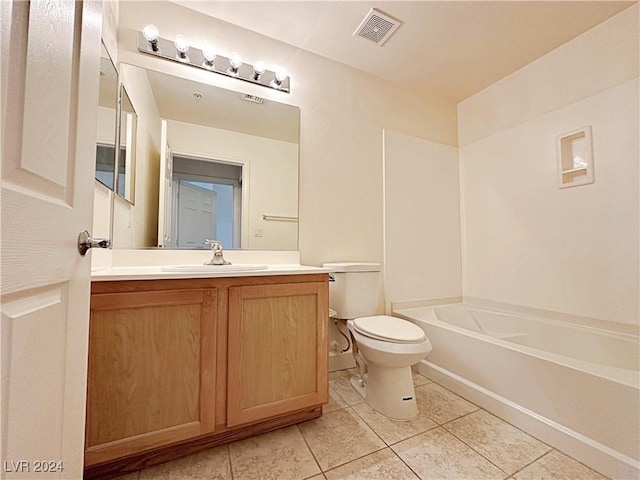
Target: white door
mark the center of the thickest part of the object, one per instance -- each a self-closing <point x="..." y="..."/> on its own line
<point x="197" y="220"/>
<point x="49" y="113"/>
<point x="165" y="207"/>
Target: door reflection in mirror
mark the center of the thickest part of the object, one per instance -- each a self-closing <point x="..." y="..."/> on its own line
<point x="207" y="202"/>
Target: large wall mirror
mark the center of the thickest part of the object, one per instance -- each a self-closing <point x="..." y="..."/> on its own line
<point x="217" y="165"/>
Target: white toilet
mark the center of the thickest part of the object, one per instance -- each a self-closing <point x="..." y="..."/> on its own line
<point x="385" y="347"/>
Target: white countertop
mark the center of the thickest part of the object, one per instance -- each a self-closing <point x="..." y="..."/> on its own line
<point x="155" y="272"/>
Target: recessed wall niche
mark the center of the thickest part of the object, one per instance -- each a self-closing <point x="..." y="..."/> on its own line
<point x="575" y="158"/>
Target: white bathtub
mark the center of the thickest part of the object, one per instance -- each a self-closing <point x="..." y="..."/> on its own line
<point x="572" y="386"/>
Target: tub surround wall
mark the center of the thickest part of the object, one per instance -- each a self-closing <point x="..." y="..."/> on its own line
<point x="421" y="219"/>
<point x="526" y="242"/>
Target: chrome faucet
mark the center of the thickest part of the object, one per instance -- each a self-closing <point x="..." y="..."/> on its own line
<point x="216" y="248"/>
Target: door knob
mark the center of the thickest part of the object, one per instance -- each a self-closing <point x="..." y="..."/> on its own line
<point x="85" y="242"/>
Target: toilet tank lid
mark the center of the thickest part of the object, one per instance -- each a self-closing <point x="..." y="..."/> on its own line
<point x="353" y="266"/>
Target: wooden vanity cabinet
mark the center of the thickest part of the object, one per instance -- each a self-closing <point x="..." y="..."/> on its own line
<point x="277" y="350"/>
<point x="179" y="366"/>
<point x="151" y="376"/>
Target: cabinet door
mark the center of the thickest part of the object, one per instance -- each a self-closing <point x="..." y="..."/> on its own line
<point x="151" y="370"/>
<point x="277" y="356"/>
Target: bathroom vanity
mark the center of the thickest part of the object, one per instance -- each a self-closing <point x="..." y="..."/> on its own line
<point x="183" y="362"/>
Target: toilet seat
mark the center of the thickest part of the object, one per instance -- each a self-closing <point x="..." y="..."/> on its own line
<point x="389" y="329"/>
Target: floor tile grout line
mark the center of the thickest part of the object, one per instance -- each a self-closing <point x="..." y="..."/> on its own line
<point x="454" y="393"/>
<point x="482" y="409"/>
<point x="350" y="407"/>
<point x="230" y="462"/>
<point x="309" y="447"/>
<point x="341" y="397"/>
<point x="371" y="427"/>
<point x="458" y="418"/>
<point x="435" y="421"/>
<point x="474" y="450"/>
<point x="402" y="440"/>
<point x="551" y="448"/>
<point x="405" y="463"/>
<point x="347" y="404"/>
<point x="534" y="461"/>
<point x="511" y="424"/>
<point x="355" y="459"/>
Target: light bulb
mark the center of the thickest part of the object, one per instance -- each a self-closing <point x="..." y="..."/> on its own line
<point x="209" y="54"/>
<point x="150" y="32"/>
<point x="181" y="43"/>
<point x="258" y="69"/>
<point x="281" y="74"/>
<point x="235" y="60"/>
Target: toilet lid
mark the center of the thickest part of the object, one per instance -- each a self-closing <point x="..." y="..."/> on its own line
<point x="390" y="329"/>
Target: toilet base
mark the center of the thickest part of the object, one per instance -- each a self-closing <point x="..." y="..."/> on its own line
<point x="389" y="391"/>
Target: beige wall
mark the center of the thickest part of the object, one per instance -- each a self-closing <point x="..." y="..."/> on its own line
<point x="422" y="219"/>
<point x="526" y="242"/>
<point x="343" y="113"/>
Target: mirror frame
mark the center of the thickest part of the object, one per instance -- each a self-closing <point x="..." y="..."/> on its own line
<point x="131" y="134"/>
<point x="114" y="127"/>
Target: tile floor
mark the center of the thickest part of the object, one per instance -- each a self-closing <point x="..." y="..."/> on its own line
<point x="450" y="438"/>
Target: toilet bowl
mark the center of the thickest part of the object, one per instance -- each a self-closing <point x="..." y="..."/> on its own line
<point x="385" y="349"/>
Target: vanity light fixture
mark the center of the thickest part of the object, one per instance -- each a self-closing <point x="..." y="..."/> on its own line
<point x="151" y="43"/>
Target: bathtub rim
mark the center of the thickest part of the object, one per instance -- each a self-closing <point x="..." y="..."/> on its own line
<point x="626" y="377"/>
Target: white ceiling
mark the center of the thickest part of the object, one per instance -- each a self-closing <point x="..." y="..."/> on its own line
<point x="451" y="49"/>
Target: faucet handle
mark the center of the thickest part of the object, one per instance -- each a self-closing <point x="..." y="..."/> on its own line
<point x="215" y="244"/>
<point x="216" y="247"/>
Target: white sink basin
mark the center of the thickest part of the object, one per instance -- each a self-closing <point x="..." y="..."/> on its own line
<point x="240" y="267"/>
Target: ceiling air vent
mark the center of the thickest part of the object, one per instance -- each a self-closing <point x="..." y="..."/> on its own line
<point x="377" y="27"/>
<point x="252" y="99"/>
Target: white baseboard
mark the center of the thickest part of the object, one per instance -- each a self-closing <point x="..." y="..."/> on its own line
<point x="586" y="450"/>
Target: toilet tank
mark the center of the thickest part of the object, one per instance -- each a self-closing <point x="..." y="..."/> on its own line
<point x="354" y="293"/>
